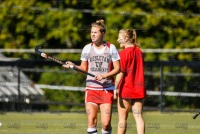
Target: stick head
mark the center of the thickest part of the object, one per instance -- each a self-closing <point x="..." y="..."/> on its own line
<point x="37" y="50"/>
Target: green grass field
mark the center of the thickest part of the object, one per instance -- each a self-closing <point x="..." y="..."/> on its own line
<point x="76" y="123"/>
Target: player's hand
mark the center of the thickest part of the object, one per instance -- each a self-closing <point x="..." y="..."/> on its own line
<point x="44" y="55"/>
<point x="115" y="94"/>
<point x="68" y="64"/>
<point x="99" y="77"/>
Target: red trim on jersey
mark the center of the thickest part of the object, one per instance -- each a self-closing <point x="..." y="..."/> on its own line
<point x="108" y="44"/>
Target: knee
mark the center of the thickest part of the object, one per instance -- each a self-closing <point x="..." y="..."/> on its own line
<point x="137" y="113"/>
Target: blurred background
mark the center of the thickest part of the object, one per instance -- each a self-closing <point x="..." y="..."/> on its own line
<point x="168" y="31"/>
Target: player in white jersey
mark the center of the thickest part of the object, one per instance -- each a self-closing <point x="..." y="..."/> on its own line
<point x="101" y="59"/>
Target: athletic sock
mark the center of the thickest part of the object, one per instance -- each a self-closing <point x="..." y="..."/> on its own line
<point x="106" y="132"/>
<point x="92" y="130"/>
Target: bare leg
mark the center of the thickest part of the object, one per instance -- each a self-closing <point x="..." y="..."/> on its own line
<point x="106" y="114"/>
<point x="137" y="114"/>
<point x="92" y="111"/>
<point x="123" y="110"/>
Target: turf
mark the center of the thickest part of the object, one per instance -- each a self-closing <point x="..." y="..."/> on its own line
<point x="76" y="123"/>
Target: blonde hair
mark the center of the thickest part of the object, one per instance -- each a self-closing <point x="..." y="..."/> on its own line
<point x="101" y="24"/>
<point x="131" y="35"/>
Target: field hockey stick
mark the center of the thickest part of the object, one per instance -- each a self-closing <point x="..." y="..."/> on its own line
<point x="195" y="116"/>
<point x="61" y="62"/>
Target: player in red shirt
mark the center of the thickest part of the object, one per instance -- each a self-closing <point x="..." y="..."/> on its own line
<point x="130" y="81"/>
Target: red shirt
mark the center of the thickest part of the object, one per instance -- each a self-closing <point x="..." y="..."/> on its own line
<point x="132" y="85"/>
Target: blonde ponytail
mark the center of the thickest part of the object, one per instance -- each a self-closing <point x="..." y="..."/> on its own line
<point x="134" y="38"/>
<point x="131" y="35"/>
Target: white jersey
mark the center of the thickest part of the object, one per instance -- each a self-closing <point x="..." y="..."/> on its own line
<point x="99" y="62"/>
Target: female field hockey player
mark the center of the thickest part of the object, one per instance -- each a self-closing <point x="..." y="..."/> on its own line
<point x="130" y="81"/>
<point x="101" y="59"/>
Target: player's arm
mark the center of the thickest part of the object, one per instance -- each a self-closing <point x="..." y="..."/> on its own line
<point x="83" y="66"/>
<point x="118" y="78"/>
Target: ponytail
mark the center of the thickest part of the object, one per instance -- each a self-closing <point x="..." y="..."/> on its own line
<point x="132" y="36"/>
